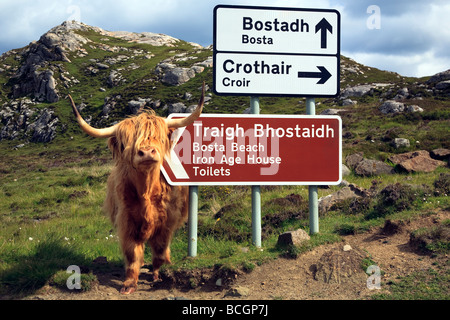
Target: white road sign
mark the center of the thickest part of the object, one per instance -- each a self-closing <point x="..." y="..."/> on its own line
<point x="276" y="51"/>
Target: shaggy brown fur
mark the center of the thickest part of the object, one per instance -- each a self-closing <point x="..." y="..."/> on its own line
<point x="141" y="204"/>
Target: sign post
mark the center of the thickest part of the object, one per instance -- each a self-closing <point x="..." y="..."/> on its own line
<point x="313" y="192"/>
<point x="255" y="150"/>
<point x="193" y="221"/>
<point x="265" y="51"/>
<point x="278" y="52"/>
<point x="256" y="192"/>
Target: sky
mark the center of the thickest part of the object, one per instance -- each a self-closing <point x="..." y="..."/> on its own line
<point x="410" y="37"/>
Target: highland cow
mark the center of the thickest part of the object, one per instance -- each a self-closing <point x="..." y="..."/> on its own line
<point x="141" y="204"/>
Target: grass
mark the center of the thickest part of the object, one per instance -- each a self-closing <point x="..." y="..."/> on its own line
<point x="50" y="218"/>
<point x="431" y="284"/>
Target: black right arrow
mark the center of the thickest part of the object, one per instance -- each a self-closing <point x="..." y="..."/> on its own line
<point x="324" y="75"/>
<point x="323" y="26"/>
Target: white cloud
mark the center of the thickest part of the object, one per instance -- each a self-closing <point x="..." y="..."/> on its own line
<point x="413" y="40"/>
<point x="416" y="65"/>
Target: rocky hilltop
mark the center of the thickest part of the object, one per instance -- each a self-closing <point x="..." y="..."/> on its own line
<point x="40" y="74"/>
<point x="114" y="74"/>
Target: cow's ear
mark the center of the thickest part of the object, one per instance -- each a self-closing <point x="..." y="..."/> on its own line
<point x="115" y="148"/>
<point x="171" y="130"/>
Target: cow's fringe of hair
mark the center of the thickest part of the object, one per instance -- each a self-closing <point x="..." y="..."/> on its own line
<point x="151" y="128"/>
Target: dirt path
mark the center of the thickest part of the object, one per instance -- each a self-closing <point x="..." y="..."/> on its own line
<point x="287" y="278"/>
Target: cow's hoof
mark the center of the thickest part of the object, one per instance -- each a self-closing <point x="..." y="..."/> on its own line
<point x="127" y="290"/>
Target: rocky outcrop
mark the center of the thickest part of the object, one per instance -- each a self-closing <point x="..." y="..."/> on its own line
<point x="154" y="39"/>
<point x="356" y="91"/>
<point x="349" y="192"/>
<point x="44" y="129"/>
<point x="443" y="85"/>
<point x="171" y="74"/>
<point x="417" y="161"/>
<point x="392" y="106"/>
<point x="15" y="117"/>
<point x="438" y="77"/>
<point x="175" y="75"/>
<point x="114" y="79"/>
<point x="367" y="167"/>
<point x="63" y="39"/>
<point x="32" y="78"/>
<point x="440" y="154"/>
<point x="35" y="76"/>
<point x="22" y="120"/>
<point x="440" y="83"/>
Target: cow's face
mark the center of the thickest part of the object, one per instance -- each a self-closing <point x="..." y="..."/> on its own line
<point x="141" y="142"/>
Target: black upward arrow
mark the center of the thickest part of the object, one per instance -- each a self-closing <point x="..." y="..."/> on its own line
<point x="323" y="26"/>
<point x="324" y="75"/>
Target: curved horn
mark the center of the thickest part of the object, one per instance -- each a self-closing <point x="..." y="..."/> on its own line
<point x="179" y="123"/>
<point x="96" y="133"/>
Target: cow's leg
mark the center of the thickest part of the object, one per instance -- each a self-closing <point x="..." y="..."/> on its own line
<point x="160" y="245"/>
<point x="134" y="258"/>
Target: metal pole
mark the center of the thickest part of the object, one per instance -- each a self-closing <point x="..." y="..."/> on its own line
<point x="313" y="190"/>
<point x="256" y="191"/>
<point x="313" y="210"/>
<point x="256" y="216"/>
<point x="193" y="221"/>
<point x="311" y="106"/>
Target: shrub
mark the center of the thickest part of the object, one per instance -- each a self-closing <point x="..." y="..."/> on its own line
<point x="360" y="205"/>
<point x="394" y="198"/>
<point x="88" y="280"/>
<point x="433" y="240"/>
<point x="248" y="266"/>
<point x="290" y="251"/>
<point x="345" y="229"/>
<point x="442" y="184"/>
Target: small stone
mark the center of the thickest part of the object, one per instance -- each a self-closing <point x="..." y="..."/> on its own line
<point x="440" y="154"/>
<point x="347" y="247"/>
<point x="354" y="159"/>
<point x="401" y="143"/>
<point x="391" y="106"/>
<point x="345" y="170"/>
<point x="293" y="237"/>
<point x="414" y="108"/>
<point x="369" y="167"/>
<point x="238" y="292"/>
<point x="244" y="249"/>
<point x="102" y="66"/>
